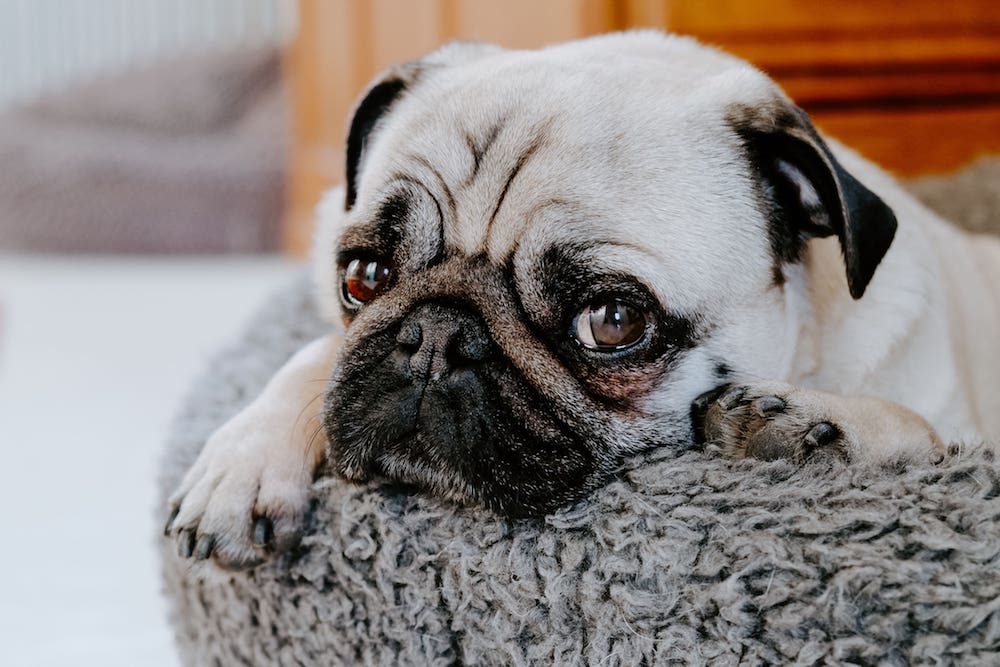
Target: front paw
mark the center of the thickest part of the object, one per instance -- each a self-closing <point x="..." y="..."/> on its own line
<point x="241" y="502"/>
<point x="770" y="421"/>
<point x="774" y="420"/>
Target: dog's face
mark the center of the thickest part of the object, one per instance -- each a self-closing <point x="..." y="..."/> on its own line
<point x="544" y="257"/>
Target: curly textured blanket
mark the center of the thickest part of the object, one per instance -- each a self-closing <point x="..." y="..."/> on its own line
<point x="683" y="558"/>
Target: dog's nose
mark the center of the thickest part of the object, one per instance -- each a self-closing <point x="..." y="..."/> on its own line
<point x="438" y="339"/>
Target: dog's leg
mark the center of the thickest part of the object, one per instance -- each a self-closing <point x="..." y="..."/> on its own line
<point x="246" y="495"/>
<point x="772" y="420"/>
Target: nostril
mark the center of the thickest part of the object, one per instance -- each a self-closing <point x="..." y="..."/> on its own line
<point x="473" y="348"/>
<point x="410" y="337"/>
<point x="435" y="340"/>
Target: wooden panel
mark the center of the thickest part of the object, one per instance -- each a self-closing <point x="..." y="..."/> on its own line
<point x="864" y="51"/>
<point x="917" y="141"/>
<point x="839" y="90"/>
<point x="403" y="31"/>
<point x="523" y="25"/>
<point x="733" y="17"/>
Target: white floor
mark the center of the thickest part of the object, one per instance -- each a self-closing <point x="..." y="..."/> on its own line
<point x="94" y="356"/>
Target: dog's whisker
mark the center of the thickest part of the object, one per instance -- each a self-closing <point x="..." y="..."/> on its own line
<point x="311" y="448"/>
<point x="302" y="412"/>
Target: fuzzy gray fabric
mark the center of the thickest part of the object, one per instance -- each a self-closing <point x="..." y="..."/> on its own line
<point x="683" y="558"/>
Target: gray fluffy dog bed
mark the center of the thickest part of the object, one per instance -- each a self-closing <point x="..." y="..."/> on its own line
<point x="682" y="558"/>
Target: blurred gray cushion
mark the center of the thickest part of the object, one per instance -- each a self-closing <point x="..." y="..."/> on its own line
<point x="186" y="156"/>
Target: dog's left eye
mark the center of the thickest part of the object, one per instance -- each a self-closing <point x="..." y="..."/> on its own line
<point x="608" y="325"/>
<point x="364" y="279"/>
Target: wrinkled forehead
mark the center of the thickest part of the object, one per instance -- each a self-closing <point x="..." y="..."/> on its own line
<point x="510" y="163"/>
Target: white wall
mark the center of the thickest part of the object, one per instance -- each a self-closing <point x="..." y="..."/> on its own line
<point x="45" y="44"/>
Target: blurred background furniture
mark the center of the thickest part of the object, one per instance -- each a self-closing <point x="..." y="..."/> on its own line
<point x="181" y="156"/>
<point x="145" y="126"/>
<point x="913" y="85"/>
<point x="46" y="45"/>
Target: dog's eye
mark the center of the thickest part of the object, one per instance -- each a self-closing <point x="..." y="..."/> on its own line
<point x="610" y="324"/>
<point x="364" y="279"/>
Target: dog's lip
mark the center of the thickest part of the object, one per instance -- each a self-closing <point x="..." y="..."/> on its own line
<point x="363" y="464"/>
<point x="395" y="467"/>
<point x="392" y="460"/>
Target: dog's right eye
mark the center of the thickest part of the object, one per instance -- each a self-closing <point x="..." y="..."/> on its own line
<point x="364" y="279"/>
<point x="609" y="325"/>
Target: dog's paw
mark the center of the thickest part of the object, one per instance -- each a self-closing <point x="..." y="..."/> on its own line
<point x="774" y="420"/>
<point x="243" y="500"/>
<point x="769" y="421"/>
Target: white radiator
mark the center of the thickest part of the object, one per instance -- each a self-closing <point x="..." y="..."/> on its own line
<point x="46" y="44"/>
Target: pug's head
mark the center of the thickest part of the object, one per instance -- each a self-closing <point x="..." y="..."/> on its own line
<point x="542" y="258"/>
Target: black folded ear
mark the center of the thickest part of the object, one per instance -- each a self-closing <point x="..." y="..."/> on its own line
<point x="373" y="106"/>
<point x="809" y="194"/>
<point x="386" y="90"/>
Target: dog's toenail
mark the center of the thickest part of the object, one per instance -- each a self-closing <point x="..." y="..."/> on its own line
<point x="700" y="404"/>
<point x="732" y="397"/>
<point x="185" y="544"/>
<point x="699" y="410"/>
<point x="170" y="521"/>
<point x="821" y="435"/>
<point x="768" y="405"/>
<point x="204" y="548"/>
<point x="263" y="531"/>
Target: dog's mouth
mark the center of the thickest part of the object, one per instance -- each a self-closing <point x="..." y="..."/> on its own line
<point x="433" y="402"/>
<point x="418" y="434"/>
<point x="397" y="465"/>
<point x="505" y="468"/>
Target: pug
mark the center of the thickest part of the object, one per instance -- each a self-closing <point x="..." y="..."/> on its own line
<point x="545" y="261"/>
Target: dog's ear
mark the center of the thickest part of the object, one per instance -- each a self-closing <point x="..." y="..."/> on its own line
<point x="810" y="194"/>
<point x="372" y="107"/>
<point x="385" y="90"/>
